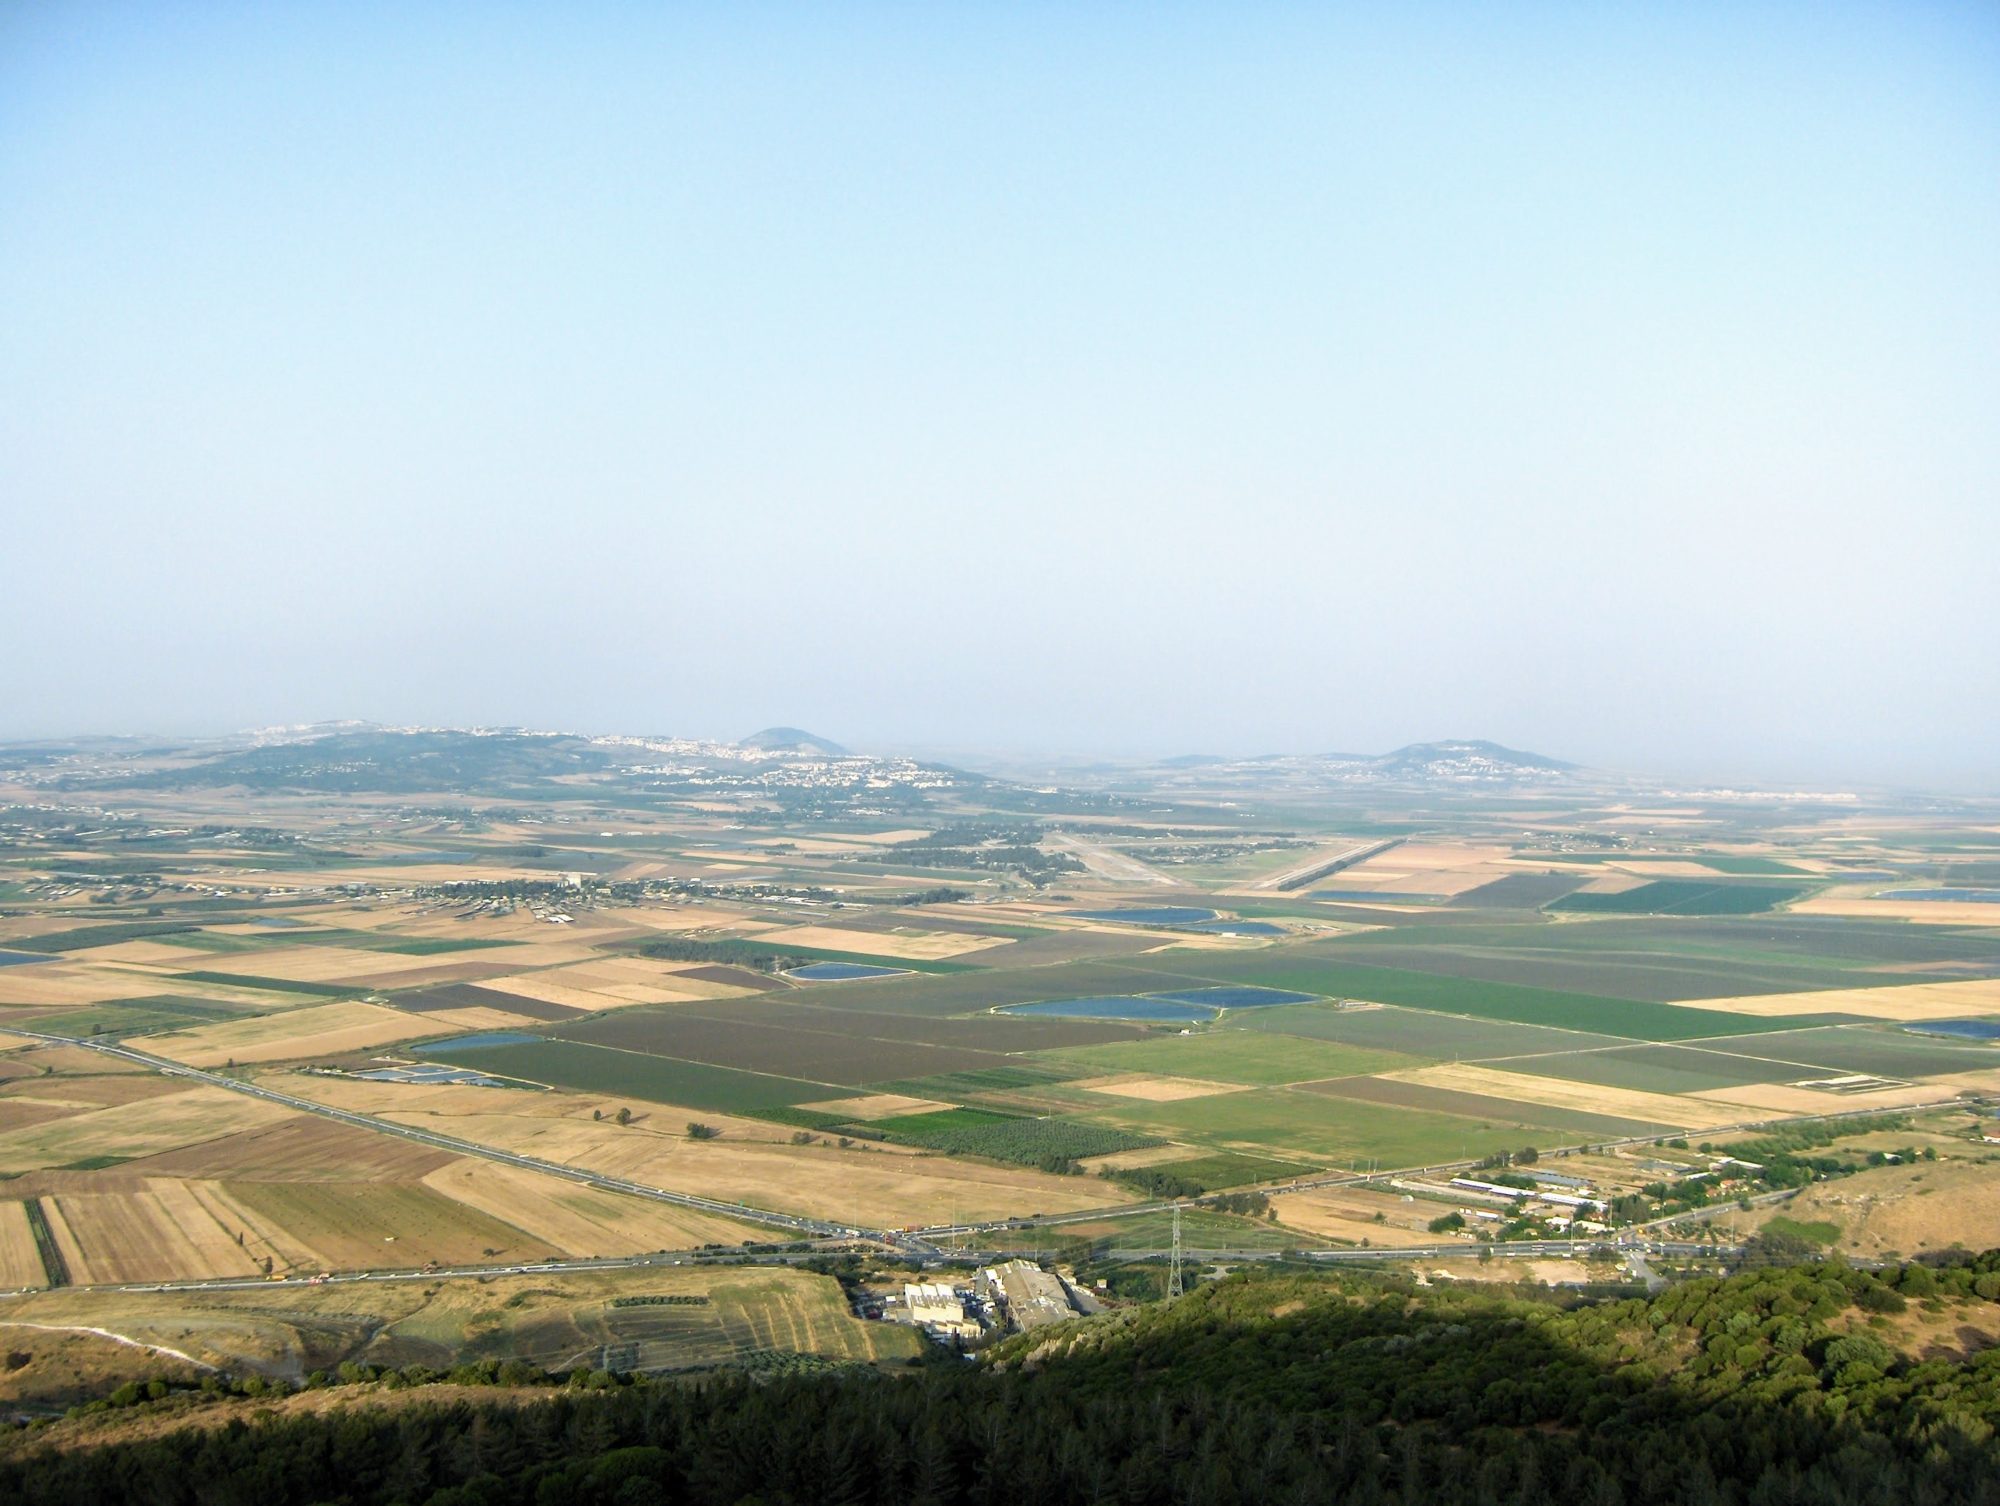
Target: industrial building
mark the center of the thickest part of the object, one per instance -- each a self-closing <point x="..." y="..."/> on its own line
<point x="1029" y="1295"/>
<point x="938" y="1308"/>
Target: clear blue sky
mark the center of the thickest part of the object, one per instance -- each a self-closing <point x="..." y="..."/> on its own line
<point x="1619" y="381"/>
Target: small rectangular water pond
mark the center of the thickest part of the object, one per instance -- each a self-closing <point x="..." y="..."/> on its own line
<point x="1117" y="1007"/>
<point x="1953" y="896"/>
<point x="1965" y="1030"/>
<point x="1236" y="928"/>
<point x="844" y="972"/>
<point x="19" y="959"/>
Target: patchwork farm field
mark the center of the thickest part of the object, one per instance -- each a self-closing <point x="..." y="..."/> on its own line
<point x="621" y="963"/>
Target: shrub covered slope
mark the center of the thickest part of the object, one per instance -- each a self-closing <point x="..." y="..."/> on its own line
<point x="1796" y="1384"/>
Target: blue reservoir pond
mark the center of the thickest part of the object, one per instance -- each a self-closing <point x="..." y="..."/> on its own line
<point x="18" y="959"/>
<point x="844" y="972"/>
<point x="1969" y="1030"/>
<point x="1237" y="928"/>
<point x="477" y="1042"/>
<point x="1956" y="896"/>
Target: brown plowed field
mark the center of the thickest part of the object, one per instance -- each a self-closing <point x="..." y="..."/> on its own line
<point x="303" y="1149"/>
<point x="471" y="996"/>
<point x="17" y="1113"/>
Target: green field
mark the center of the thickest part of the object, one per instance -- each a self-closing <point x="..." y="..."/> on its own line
<point x="939" y="1119"/>
<point x="1881" y="1049"/>
<point x="1219" y="1173"/>
<point x="1201" y="1228"/>
<point x="1685" y="897"/>
<point x="1630" y="1018"/>
<point x="999" y="1137"/>
<point x="1418" y="1032"/>
<point x="1257" y="1059"/>
<point x="1749" y="867"/>
<point x="949" y="1085"/>
<point x="136" y="1016"/>
<point x="80" y="937"/>
<point x="220" y="944"/>
<point x="602" y="1069"/>
<point x="1292" y="1122"/>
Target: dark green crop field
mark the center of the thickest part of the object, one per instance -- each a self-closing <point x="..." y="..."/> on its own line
<point x="1686" y="897"/>
<point x="1023" y="1141"/>
<point x="1418" y="1032"/>
<point x="1884" y="1050"/>
<point x="1632" y="1019"/>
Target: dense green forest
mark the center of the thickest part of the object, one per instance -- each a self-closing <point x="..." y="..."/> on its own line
<point x="1783" y="1385"/>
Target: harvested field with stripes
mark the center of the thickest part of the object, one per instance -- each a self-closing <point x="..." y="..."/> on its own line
<point x="317" y="1030"/>
<point x="20" y="1260"/>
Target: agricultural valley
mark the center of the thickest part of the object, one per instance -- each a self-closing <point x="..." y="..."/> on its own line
<point x="313" y="1036"/>
<point x="373" y="1059"/>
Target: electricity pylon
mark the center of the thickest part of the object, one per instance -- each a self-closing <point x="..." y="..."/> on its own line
<point x="1174" y="1284"/>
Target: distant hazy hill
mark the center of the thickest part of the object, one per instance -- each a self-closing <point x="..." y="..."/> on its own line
<point x="1454" y="761"/>
<point x="382" y="759"/>
<point x="793" y="740"/>
<point x="1461" y="758"/>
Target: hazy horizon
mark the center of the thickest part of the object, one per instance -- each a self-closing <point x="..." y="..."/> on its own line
<point x="1613" y="385"/>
